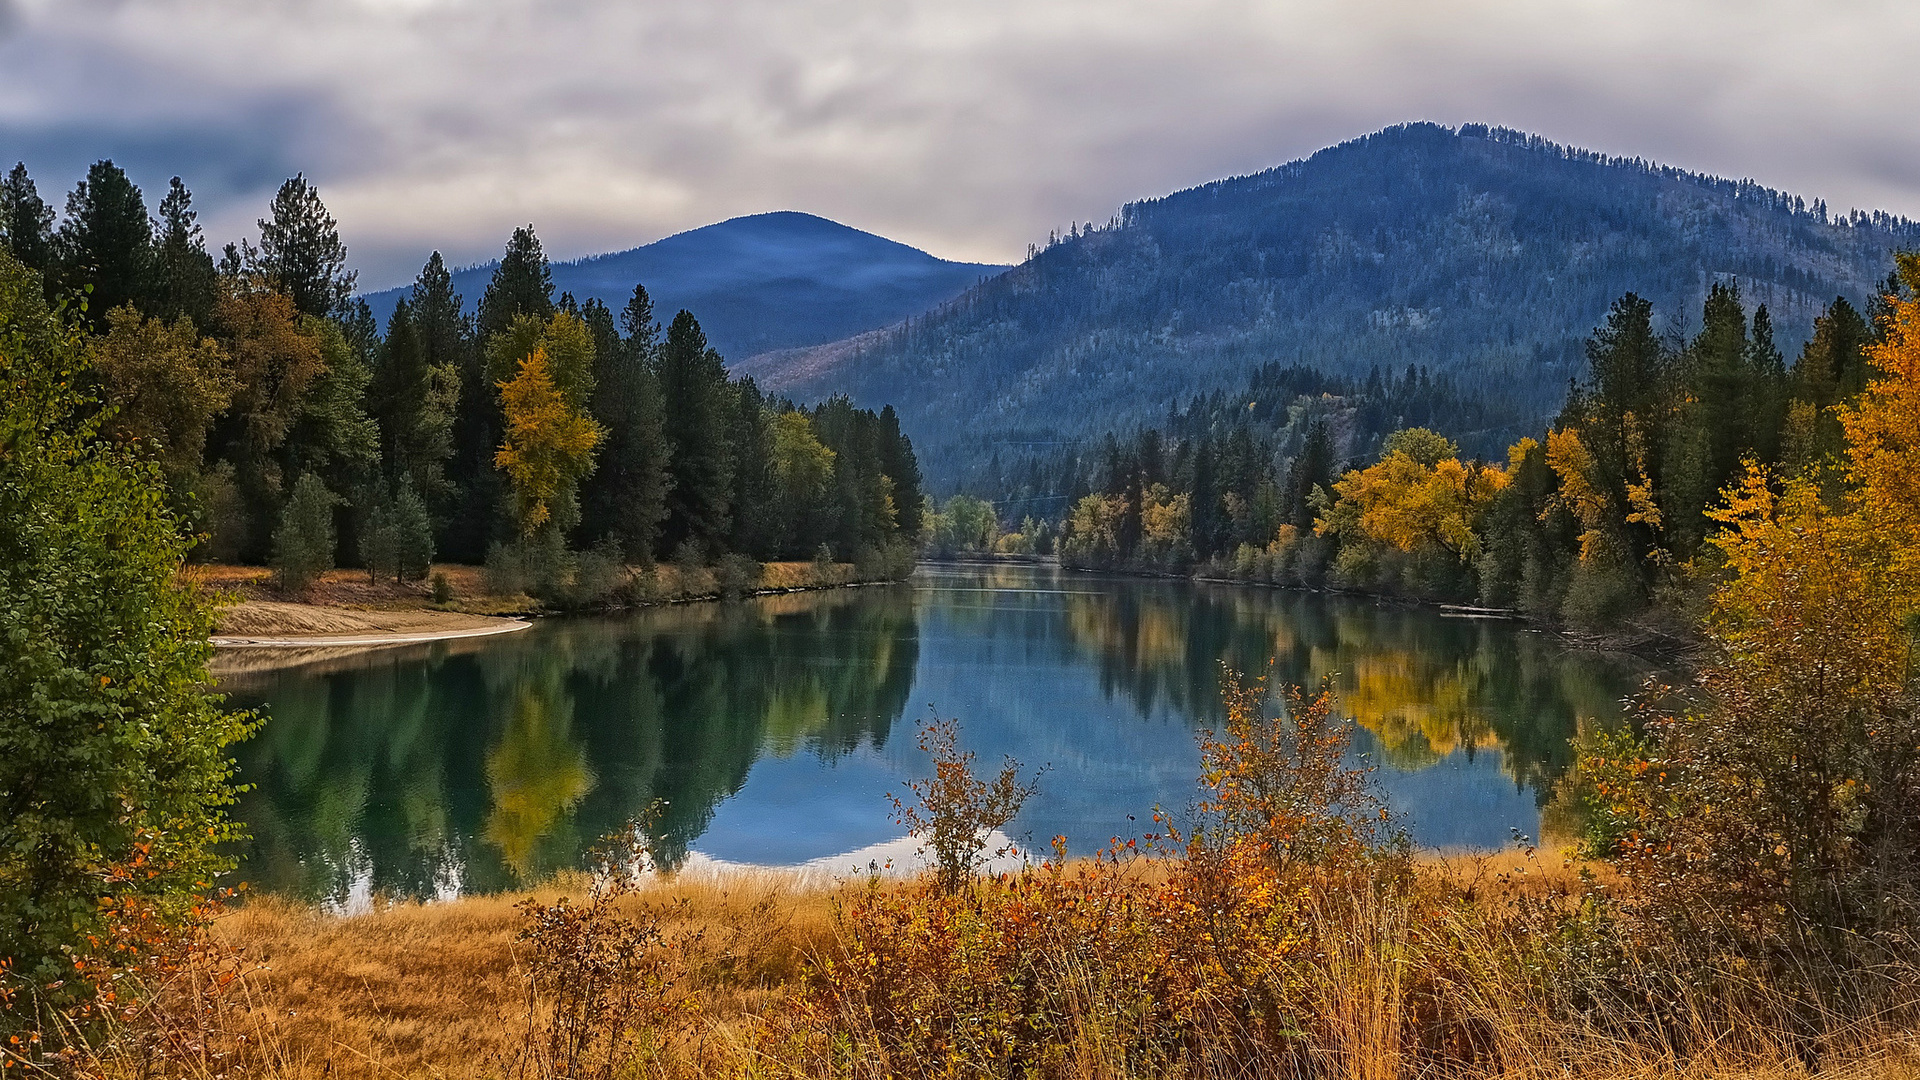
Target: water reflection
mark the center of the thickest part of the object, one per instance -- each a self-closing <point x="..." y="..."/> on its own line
<point x="767" y="729"/>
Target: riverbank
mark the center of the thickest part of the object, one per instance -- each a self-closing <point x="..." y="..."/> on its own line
<point x="345" y="609"/>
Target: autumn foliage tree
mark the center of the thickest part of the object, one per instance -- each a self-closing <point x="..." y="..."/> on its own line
<point x="1788" y="791"/>
<point x="549" y="445"/>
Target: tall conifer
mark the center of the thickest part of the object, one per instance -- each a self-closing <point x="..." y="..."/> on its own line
<point x="625" y="498"/>
<point x="106" y="241"/>
<point x="184" y="278"/>
<point x="521" y="285"/>
<point x="301" y="253"/>
<point x="26" y="221"/>
<point x="694" y="390"/>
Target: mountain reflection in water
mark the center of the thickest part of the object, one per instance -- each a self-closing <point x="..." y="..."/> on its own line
<point x="770" y="731"/>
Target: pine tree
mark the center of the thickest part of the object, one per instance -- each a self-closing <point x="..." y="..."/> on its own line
<point x="626" y="496"/>
<point x="695" y="394"/>
<point x="471" y="504"/>
<point x="521" y="285"/>
<point x="301" y="253"/>
<point x="897" y="461"/>
<point x="1205" y="507"/>
<point x="106" y="241"/>
<point x="1312" y="469"/>
<point x="185" y="282"/>
<point x="1832" y="368"/>
<point x="1622" y="415"/>
<point x="412" y="535"/>
<point x="1709" y="432"/>
<point x="303" y="544"/>
<point x="414" y="434"/>
<point x="26" y="222"/>
<point x="754" y="496"/>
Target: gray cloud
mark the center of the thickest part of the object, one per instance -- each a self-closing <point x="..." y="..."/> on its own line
<point x="968" y="128"/>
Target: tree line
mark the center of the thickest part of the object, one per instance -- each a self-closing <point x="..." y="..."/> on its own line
<point x="1603" y="516"/>
<point x="293" y="427"/>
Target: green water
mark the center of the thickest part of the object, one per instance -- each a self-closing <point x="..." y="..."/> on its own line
<point x="773" y="729"/>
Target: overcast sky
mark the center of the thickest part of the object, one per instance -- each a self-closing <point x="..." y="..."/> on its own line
<point x="966" y="127"/>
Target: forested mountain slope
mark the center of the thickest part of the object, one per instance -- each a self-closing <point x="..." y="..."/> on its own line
<point x="1483" y="255"/>
<point x="768" y="281"/>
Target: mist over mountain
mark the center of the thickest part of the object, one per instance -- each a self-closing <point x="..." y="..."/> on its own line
<point x="757" y="283"/>
<point x="1482" y="255"/>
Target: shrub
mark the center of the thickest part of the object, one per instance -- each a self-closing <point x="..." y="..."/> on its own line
<point x="1244" y="953"/>
<point x="736" y="576"/>
<point x="442" y="589"/>
<point x="599" y="982"/>
<point x="953" y="812"/>
<point x="114" y="771"/>
<point x="303" y="544"/>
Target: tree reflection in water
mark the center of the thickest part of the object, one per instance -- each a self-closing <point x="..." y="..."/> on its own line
<point x="490" y="763"/>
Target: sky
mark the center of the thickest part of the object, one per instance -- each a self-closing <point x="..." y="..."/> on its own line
<point x="970" y="128"/>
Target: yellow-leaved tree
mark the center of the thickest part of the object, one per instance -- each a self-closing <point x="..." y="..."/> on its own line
<point x="1789" y="792"/>
<point x="549" y="445"/>
<point x="1414" y="515"/>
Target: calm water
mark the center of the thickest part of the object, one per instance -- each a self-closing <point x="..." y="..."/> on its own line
<point x="773" y="729"/>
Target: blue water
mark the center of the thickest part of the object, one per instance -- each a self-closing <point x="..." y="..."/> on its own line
<point x="770" y="732"/>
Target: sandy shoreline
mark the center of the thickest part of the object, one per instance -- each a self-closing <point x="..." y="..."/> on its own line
<point x="273" y="624"/>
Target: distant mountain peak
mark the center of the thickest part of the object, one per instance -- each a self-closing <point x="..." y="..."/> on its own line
<point x="759" y="282"/>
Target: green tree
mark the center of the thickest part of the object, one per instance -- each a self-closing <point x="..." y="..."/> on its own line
<point x="303" y="544"/>
<point x="414" y="403"/>
<point x="26" y="221"/>
<point x="379" y="543"/>
<point x="626" y="498"/>
<point x="521" y="285"/>
<point x="301" y="253"/>
<point x="165" y="384"/>
<point x="184" y="280"/>
<point x="106" y="241"/>
<point x="413" y="535"/>
<point x="898" y="462"/>
<point x="332" y="433"/>
<point x="445" y="337"/>
<point x="1312" y="470"/>
<point x="396" y="537"/>
<point x="803" y="474"/>
<point x="114" y="770"/>
<point x="755" y="482"/>
<point x="1832" y="368"/>
<point x="1206" y="500"/>
<point x="274" y="363"/>
<point x="694" y="390"/>
<point x="1717" y="421"/>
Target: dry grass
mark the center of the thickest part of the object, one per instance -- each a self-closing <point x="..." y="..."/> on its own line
<point x="438" y="989"/>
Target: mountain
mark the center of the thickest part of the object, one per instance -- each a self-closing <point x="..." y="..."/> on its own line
<point x="768" y="281"/>
<point x="1481" y="254"/>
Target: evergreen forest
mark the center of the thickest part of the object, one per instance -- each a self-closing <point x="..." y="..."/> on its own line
<point x="1310" y="480"/>
<point x="551" y="438"/>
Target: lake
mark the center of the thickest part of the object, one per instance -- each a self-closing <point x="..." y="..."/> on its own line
<point x="771" y="730"/>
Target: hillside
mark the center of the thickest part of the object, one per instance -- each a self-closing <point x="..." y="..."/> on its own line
<point x="769" y="281"/>
<point x="1483" y="255"/>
